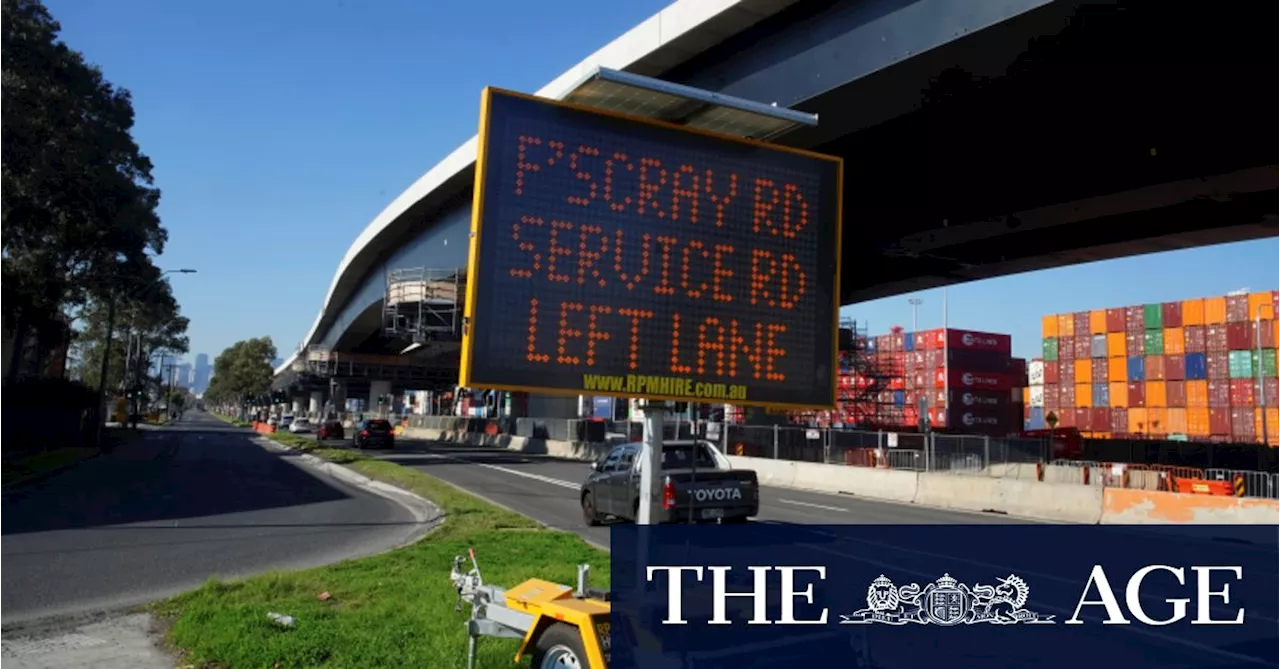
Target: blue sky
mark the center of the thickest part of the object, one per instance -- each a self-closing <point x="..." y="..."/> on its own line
<point x="279" y="129"/>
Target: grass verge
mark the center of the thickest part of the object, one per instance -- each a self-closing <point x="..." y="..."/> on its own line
<point x="24" y="469"/>
<point x="389" y="610"/>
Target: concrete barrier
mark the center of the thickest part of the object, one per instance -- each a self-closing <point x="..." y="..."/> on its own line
<point x="571" y="450"/>
<point x="1060" y="502"/>
<point x="1145" y="507"/>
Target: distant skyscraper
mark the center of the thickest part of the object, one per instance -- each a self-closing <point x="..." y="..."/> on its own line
<point x="182" y="378"/>
<point x="201" y="373"/>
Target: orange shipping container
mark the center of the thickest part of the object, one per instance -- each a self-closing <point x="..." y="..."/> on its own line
<point x="1084" y="395"/>
<point x="1157" y="421"/>
<point x="1084" y="373"/>
<point x="1260" y="301"/>
<point x="1177" y="421"/>
<point x="1118" y="393"/>
<point x="1215" y="311"/>
<point x="1198" y="421"/>
<point x="1198" y="398"/>
<point x="1049" y="326"/>
<point x="1157" y="394"/>
<point x="1026" y="397"/>
<point x="1067" y="324"/>
<point x="1173" y="341"/>
<point x="1138" y="421"/>
<point x="1118" y="367"/>
<point x="1098" y="319"/>
<point x="1115" y="345"/>
<point x="1273" y="434"/>
<point x="1193" y="312"/>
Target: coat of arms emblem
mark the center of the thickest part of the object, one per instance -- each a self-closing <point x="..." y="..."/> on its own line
<point x="947" y="602"/>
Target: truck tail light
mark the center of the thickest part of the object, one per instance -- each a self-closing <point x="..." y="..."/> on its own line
<point x="668" y="494"/>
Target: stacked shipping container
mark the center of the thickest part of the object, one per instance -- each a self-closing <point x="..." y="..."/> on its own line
<point x="1178" y="368"/>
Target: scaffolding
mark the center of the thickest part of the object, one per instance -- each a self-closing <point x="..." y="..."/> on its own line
<point x="423" y="304"/>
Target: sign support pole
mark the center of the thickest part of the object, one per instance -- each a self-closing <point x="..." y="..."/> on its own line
<point x="654" y="419"/>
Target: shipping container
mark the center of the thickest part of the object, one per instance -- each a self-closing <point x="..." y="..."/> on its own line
<point x="1268" y="334"/>
<point x="1118" y="394"/>
<point x="1197" y="394"/>
<point x="987" y="361"/>
<point x="1099" y="371"/>
<point x="1155" y="395"/>
<point x="1137" y="395"/>
<point x="1098" y="346"/>
<point x="1217" y="365"/>
<point x="1238" y="338"/>
<point x="1237" y="308"/>
<point x="1066" y="348"/>
<point x="1035" y="372"/>
<point x="1118" y="369"/>
<point x="1084" y="395"/>
<point x="1050" y="349"/>
<point x="1080" y="321"/>
<point x="1240" y="364"/>
<point x="1049" y="326"/>
<point x="1084" y="371"/>
<point x="1134" y="320"/>
<point x="1157" y="421"/>
<point x="1098" y="321"/>
<point x="1135" y="344"/>
<point x="1101" y="395"/>
<point x="999" y="421"/>
<point x="1215" y="338"/>
<point x="1268" y="363"/>
<point x="1174" y="341"/>
<point x="1176" y="393"/>
<point x="1035" y="396"/>
<point x="1215" y="310"/>
<point x="1066" y="326"/>
<point x="1260" y="306"/>
<point x="1242" y="423"/>
<point x="1193" y="339"/>
<point x="1175" y="367"/>
<point x="1018" y="369"/>
<point x="1067" y="396"/>
<point x="1219" y="393"/>
<point x="962" y="379"/>
<point x="1084" y="347"/>
<point x="1196" y="365"/>
<point x="1116" y="345"/>
<point x="1115" y="320"/>
<point x="898" y="342"/>
<point x="1171" y="315"/>
<point x="1153" y="342"/>
<point x="1241" y="393"/>
<point x="1137" y="421"/>
<point x="1219" y="421"/>
<point x="1100" y="419"/>
<point x="1119" y="422"/>
<point x="1273" y="438"/>
<point x="1271" y="392"/>
<point x="1193" y="312"/>
<point x="1082" y="419"/>
<point x="1036" y="419"/>
<point x="908" y="341"/>
<point x="1152" y="317"/>
<point x="1052" y="398"/>
<point x="1052" y="373"/>
<point x="1136" y="370"/>
<point x="1153" y="368"/>
<point x="1198" y="420"/>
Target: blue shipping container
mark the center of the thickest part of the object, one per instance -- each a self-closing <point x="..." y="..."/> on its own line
<point x="908" y="341"/>
<point x="899" y="398"/>
<point x="1101" y="397"/>
<point x="1197" y="366"/>
<point x="1137" y="368"/>
<point x="1036" y="421"/>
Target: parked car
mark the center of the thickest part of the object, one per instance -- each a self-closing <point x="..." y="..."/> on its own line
<point x="284" y="421"/>
<point x="698" y="485"/>
<point x="331" y="429"/>
<point x="375" y="433"/>
<point x="300" y="426"/>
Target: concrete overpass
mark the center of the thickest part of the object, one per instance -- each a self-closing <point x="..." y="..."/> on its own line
<point x="981" y="139"/>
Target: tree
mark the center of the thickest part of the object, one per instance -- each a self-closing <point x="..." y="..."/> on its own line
<point x="77" y="201"/>
<point x="154" y="317"/>
<point x="242" y="371"/>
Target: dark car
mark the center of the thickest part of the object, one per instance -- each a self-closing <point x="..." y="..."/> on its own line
<point x="375" y="433"/>
<point x="331" y="429"/>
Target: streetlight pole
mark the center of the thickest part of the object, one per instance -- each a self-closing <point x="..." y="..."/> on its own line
<point x="915" y="312"/>
<point x="1261" y="399"/>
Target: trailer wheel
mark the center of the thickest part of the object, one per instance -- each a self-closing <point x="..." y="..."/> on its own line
<point x="560" y="647"/>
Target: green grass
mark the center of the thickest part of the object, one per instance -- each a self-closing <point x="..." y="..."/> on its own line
<point x="389" y="610"/>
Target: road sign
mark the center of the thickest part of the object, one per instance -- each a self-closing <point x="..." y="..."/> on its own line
<point x="613" y="255"/>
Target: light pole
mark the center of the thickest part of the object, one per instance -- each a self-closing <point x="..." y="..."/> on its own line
<point x="1261" y="399"/>
<point x="915" y="312"/>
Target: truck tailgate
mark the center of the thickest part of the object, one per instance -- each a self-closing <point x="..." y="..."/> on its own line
<point x="713" y="488"/>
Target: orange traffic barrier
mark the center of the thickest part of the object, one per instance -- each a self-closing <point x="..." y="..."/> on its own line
<point x="1203" y="487"/>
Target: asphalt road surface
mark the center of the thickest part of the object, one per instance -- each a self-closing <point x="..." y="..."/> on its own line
<point x="181" y="504"/>
<point x="546" y="489"/>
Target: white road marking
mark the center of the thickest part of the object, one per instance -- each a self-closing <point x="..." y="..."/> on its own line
<point x="515" y="472"/>
<point x="813" y="506"/>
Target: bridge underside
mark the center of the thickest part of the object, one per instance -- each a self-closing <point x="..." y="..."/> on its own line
<point x="1071" y="133"/>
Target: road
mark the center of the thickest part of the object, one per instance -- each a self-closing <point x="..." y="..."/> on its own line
<point x="179" y="505"/>
<point x="546" y="489"/>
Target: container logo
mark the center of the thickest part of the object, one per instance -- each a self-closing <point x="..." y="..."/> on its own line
<point x="969" y="399"/>
<point x="968" y="379"/>
<point x="971" y="420"/>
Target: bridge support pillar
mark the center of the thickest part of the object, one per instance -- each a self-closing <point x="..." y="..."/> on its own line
<point x="338" y="396"/>
<point x="299" y="405"/>
<point x="317" y="403"/>
<point x="379" y="390"/>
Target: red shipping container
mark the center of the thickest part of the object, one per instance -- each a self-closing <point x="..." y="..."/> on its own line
<point x="1218" y="368"/>
<point x="1052" y="373"/>
<point x="1019" y="372"/>
<point x="1066" y="349"/>
<point x="1241" y="392"/>
<point x="1175" y="394"/>
<point x="1119" y="421"/>
<point x="1238" y="337"/>
<point x="922" y="340"/>
<point x="898" y="342"/>
<point x="1271" y="393"/>
<point x="1051" y="398"/>
<point x="1219" y="393"/>
<point x="1215" y="338"/>
<point x="1242" y="424"/>
<point x="1067" y="418"/>
<point x="883" y="344"/>
<point x="1268" y="334"/>
<point x="1171" y="314"/>
<point x="909" y="398"/>
<point x="1154" y="370"/>
<point x="974" y="341"/>
<point x="1099" y="371"/>
<point x="1193" y="338"/>
<point x="997" y="421"/>
<point x="1080" y="321"/>
<point x="959" y="379"/>
<point x="937" y="397"/>
<point x="1115" y="320"/>
<point x="1100" y="419"/>
<point x="1084" y="420"/>
<point x="1237" y="309"/>
<point x="1220" y="422"/>
<point x="1066" y="372"/>
<point x="1175" y="368"/>
<point x="1083" y="346"/>
<point x="1135" y="344"/>
<point x="1137" y="395"/>
<point x="1134" y="319"/>
<point x="1066" y="397"/>
<point x="934" y="358"/>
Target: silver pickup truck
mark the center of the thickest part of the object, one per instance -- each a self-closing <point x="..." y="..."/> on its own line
<point x="696" y="480"/>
